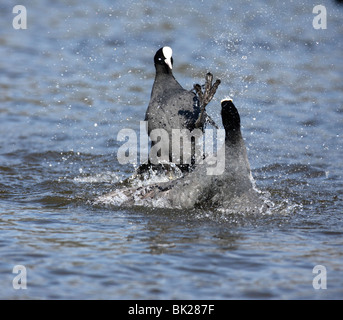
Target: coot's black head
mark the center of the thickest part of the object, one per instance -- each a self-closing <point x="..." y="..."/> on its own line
<point x="230" y="116"/>
<point x="163" y="59"/>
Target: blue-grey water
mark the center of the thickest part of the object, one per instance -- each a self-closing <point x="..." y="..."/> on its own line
<point x="83" y="70"/>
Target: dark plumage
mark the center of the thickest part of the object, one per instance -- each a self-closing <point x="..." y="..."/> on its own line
<point x="231" y="190"/>
<point x="171" y="106"/>
<point x="226" y="186"/>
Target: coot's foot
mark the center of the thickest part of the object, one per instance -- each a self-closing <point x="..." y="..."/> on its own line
<point x="206" y="96"/>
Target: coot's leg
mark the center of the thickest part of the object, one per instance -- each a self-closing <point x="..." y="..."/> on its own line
<point x="206" y="96"/>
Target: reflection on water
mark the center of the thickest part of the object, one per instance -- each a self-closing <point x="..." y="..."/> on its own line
<point x="81" y="72"/>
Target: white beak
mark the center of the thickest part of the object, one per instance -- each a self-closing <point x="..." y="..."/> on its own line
<point x="168" y="63"/>
<point x="168" y="52"/>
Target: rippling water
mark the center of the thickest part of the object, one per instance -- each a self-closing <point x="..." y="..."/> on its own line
<point x="83" y="70"/>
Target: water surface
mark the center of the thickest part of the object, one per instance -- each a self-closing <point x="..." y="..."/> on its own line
<point x="82" y="71"/>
